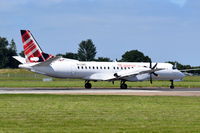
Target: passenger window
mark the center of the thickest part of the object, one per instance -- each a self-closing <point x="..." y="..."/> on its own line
<point x="85" y="67"/>
<point x="78" y="67"/>
<point x="82" y="67"/>
<point x="97" y="68"/>
<point x="104" y="67"/>
<point x="114" y="68"/>
<point x="93" y="67"/>
<point x="108" y="67"/>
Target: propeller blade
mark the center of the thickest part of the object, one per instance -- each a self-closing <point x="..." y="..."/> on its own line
<point x="155" y="74"/>
<point x="155" y="66"/>
<point x="150" y="64"/>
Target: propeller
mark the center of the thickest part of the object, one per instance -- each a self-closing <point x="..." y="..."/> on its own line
<point x="152" y="68"/>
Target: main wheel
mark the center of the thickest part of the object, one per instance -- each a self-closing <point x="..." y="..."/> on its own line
<point x="171" y="87"/>
<point x="123" y="86"/>
<point x="88" y="86"/>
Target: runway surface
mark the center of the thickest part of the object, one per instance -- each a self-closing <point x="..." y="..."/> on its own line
<point x="105" y="91"/>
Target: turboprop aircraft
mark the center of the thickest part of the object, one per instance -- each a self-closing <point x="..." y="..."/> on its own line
<point x="55" y="66"/>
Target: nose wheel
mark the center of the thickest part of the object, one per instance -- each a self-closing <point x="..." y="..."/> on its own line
<point x="172" y="84"/>
<point x="88" y="85"/>
<point x="123" y="85"/>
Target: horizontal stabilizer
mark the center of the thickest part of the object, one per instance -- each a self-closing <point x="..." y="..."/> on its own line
<point x="47" y="62"/>
<point x="20" y="59"/>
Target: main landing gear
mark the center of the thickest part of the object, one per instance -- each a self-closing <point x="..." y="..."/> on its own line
<point x="123" y="85"/>
<point x="88" y="85"/>
<point x="172" y="84"/>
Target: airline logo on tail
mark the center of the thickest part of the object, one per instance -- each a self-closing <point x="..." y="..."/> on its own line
<point x="32" y="51"/>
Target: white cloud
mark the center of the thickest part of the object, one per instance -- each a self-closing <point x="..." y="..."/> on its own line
<point x="180" y="3"/>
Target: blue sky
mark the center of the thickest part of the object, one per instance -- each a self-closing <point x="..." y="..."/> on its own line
<point x="165" y="30"/>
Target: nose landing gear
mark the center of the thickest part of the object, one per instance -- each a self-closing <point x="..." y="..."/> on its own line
<point x="172" y="84"/>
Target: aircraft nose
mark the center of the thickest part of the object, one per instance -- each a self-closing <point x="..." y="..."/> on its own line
<point x="180" y="75"/>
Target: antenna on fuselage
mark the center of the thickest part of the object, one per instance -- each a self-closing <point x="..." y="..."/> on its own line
<point x="175" y="65"/>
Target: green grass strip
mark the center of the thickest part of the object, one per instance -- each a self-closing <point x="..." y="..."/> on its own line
<point x="107" y="114"/>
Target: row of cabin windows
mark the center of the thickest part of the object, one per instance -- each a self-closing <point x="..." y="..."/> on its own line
<point x="89" y="67"/>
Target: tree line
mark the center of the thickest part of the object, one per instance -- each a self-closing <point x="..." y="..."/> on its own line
<point x="7" y="50"/>
<point x="86" y="52"/>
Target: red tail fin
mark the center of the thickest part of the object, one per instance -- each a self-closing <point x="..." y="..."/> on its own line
<point x="32" y="51"/>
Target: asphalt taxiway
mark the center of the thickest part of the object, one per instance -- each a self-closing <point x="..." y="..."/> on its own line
<point x="105" y="91"/>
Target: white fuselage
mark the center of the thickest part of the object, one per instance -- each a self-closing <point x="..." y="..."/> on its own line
<point x="93" y="71"/>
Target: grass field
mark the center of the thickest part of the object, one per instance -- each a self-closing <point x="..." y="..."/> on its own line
<point x="67" y="113"/>
<point x="23" y="78"/>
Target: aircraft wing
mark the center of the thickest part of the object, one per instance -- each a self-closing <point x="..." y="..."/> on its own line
<point x="120" y="75"/>
<point x="100" y="77"/>
<point x="130" y="73"/>
<point x="185" y="70"/>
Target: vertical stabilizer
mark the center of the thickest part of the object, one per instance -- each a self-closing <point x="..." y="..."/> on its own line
<point x="32" y="50"/>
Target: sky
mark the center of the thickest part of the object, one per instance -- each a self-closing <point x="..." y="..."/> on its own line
<point x="165" y="30"/>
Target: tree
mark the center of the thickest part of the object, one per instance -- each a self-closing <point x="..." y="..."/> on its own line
<point x="7" y="50"/>
<point x="69" y="55"/>
<point x="103" y="59"/>
<point x="3" y="52"/>
<point x="179" y="65"/>
<point x="22" y="54"/>
<point x="135" y="56"/>
<point x="12" y="51"/>
<point x="86" y="51"/>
